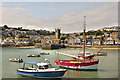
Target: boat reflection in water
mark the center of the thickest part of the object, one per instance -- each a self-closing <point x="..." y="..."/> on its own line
<point x="40" y="70"/>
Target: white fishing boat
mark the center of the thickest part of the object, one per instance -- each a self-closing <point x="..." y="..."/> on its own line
<point x="40" y="70"/>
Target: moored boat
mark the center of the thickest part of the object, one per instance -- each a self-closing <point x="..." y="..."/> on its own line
<point x="83" y="61"/>
<point x="33" y="55"/>
<point x="15" y="60"/>
<point x="40" y="70"/>
<point x="43" y="53"/>
<point x="101" y="54"/>
<point x="87" y="65"/>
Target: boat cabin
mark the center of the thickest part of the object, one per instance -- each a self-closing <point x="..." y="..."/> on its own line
<point x="36" y="66"/>
<point x="86" y="54"/>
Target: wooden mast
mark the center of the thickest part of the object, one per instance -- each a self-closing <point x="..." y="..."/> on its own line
<point x="84" y="37"/>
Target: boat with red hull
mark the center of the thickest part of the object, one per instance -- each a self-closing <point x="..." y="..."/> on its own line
<point x="80" y="62"/>
<point x="78" y="65"/>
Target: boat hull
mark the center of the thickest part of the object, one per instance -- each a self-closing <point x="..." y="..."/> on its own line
<point x="16" y="61"/>
<point x="53" y="74"/>
<point x="11" y="60"/>
<point x="76" y="65"/>
<point x="83" y="68"/>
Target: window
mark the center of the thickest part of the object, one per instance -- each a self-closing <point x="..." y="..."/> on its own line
<point x="41" y="67"/>
<point x="46" y="66"/>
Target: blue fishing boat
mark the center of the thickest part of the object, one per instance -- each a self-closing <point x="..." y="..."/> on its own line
<point x="40" y="70"/>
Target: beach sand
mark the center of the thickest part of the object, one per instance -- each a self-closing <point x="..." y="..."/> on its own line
<point x="25" y="47"/>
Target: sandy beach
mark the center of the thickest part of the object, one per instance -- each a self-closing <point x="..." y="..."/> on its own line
<point x="96" y="47"/>
<point x="103" y="48"/>
<point x="25" y="47"/>
<point x="90" y="47"/>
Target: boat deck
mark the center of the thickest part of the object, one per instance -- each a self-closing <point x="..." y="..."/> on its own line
<point x="76" y="61"/>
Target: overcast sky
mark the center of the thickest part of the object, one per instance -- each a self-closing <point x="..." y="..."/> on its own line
<point x="68" y="16"/>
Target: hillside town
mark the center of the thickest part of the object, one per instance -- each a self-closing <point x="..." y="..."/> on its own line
<point x="17" y="37"/>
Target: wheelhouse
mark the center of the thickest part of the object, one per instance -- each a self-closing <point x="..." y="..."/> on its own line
<point x="36" y="65"/>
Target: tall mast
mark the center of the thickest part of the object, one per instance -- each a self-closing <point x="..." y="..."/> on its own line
<point x="84" y="37"/>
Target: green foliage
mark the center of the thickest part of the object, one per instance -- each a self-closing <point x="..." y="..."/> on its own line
<point x="23" y="36"/>
<point x="11" y="34"/>
<point x="44" y="32"/>
<point x="99" y="33"/>
<point x="6" y="27"/>
<point x="76" y="34"/>
<point x="63" y="38"/>
<point x="67" y="35"/>
<point x="81" y="33"/>
<point x="110" y="31"/>
<point x="23" y="29"/>
<point x="19" y="28"/>
<point x="52" y="33"/>
<point x="3" y="29"/>
<point x="90" y="33"/>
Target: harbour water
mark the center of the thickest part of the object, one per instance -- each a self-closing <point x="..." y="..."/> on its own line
<point x="107" y="67"/>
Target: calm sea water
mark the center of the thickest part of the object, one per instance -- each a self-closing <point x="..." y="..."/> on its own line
<point x="108" y="65"/>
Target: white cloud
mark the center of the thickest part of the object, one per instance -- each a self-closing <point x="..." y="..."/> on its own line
<point x="104" y="15"/>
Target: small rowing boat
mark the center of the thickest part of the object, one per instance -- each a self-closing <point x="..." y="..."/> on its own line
<point x="15" y="60"/>
<point x="33" y="55"/>
<point x="101" y="54"/>
<point x="43" y="53"/>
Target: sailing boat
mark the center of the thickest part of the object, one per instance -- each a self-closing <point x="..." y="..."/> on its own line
<point x="79" y="63"/>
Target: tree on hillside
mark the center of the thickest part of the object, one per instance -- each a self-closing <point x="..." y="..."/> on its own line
<point x="76" y="34"/>
<point x="81" y="33"/>
<point x="19" y="28"/>
<point x="67" y="35"/>
<point x="52" y="33"/>
<point x="99" y="32"/>
<point x="63" y="38"/>
<point x="23" y="36"/>
<point x="6" y="27"/>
